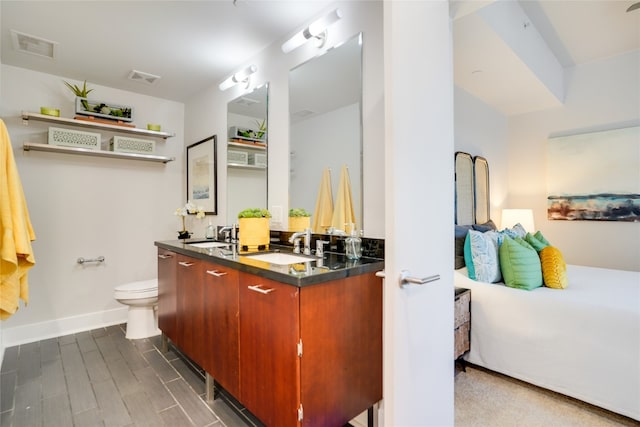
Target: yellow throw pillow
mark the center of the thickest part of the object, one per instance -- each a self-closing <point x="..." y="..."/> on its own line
<point x="554" y="269"/>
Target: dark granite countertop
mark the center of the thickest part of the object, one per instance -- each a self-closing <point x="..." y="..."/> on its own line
<point x="316" y="270"/>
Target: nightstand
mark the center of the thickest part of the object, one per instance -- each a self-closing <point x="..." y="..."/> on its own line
<point x="462" y="323"/>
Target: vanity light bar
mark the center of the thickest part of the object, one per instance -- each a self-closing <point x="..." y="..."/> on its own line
<point x="240" y="76"/>
<point x="317" y="29"/>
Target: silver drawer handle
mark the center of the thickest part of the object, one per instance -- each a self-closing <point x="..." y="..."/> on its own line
<point x="161" y="256"/>
<point x="217" y="273"/>
<point x="258" y="288"/>
<point x="405" y="279"/>
<point x="186" y="264"/>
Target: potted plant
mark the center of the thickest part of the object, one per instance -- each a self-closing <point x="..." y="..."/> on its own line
<point x="189" y="208"/>
<point x="80" y="93"/>
<point x="254" y="228"/>
<point x="299" y="219"/>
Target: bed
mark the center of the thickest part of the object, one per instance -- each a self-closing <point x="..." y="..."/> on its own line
<point x="582" y="341"/>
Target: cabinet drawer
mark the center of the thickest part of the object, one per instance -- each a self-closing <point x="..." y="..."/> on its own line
<point x="462" y="308"/>
<point x="461" y="340"/>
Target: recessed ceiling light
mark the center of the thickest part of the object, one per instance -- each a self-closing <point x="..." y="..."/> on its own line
<point x="143" y="77"/>
<point x="34" y="45"/>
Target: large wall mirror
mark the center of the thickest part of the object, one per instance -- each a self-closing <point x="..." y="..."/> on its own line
<point x="325" y="110"/>
<point x="247" y="152"/>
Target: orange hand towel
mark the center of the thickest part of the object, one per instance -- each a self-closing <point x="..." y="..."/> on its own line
<point x="16" y="232"/>
<point x="343" y="214"/>
<point x="324" y="204"/>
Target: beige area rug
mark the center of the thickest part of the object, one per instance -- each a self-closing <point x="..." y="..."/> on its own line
<point x="485" y="399"/>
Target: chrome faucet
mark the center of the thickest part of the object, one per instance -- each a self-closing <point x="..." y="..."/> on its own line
<point x="307" y="241"/>
<point x="226" y="231"/>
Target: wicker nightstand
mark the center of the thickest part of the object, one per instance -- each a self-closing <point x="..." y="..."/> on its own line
<point x="462" y="324"/>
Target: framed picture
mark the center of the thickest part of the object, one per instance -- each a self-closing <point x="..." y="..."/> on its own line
<point x="202" y="174"/>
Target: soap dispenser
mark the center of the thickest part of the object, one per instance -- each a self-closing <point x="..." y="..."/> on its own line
<point x="210" y="233"/>
<point x="353" y="244"/>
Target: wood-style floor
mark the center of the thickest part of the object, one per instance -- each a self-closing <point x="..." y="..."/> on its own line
<point x="100" y="378"/>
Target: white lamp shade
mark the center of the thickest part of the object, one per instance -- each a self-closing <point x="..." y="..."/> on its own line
<point x="511" y="217"/>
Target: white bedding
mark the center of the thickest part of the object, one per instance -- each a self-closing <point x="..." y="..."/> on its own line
<point x="583" y="341"/>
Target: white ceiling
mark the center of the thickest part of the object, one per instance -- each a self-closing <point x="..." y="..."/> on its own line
<point x="195" y="44"/>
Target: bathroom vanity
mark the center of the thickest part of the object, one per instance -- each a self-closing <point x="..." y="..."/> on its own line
<point x="297" y="341"/>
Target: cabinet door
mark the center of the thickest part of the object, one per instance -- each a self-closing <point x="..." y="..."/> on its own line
<point x="190" y="308"/>
<point x="222" y="326"/>
<point x="167" y="294"/>
<point x="341" y="364"/>
<point x="269" y="334"/>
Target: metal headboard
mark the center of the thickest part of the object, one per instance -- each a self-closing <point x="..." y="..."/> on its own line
<point x="472" y="201"/>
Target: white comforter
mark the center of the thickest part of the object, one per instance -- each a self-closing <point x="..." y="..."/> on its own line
<point x="583" y="341"/>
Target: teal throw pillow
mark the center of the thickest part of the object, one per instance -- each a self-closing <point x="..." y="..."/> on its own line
<point x="481" y="256"/>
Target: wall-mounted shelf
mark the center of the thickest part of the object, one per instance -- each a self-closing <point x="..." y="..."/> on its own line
<point x="26" y="116"/>
<point x="239" y="166"/>
<point x="250" y="146"/>
<point x="27" y="146"/>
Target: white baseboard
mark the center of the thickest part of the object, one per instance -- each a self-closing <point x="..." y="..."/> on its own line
<point x="59" y="327"/>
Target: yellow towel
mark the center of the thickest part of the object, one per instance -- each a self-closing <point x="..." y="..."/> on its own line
<point x="16" y="254"/>
<point x="343" y="215"/>
<point x="324" y="204"/>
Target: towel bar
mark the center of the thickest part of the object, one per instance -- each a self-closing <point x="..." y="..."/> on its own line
<point x="82" y="260"/>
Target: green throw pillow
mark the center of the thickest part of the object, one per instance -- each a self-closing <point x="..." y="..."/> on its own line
<point x="534" y="241"/>
<point x="520" y="264"/>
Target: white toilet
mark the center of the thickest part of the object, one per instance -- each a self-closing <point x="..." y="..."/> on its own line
<point x="142" y="299"/>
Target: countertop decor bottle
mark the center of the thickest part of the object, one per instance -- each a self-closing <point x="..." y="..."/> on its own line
<point x="210" y="233"/>
<point x="353" y="244"/>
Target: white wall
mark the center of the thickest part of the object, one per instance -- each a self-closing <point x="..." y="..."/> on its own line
<point x="86" y="206"/>
<point x="483" y="131"/>
<point x="599" y="95"/>
<point x="206" y="113"/>
<point x="325" y="141"/>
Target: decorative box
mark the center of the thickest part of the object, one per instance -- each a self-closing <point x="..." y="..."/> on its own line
<point x="126" y="144"/>
<point x="74" y="138"/>
<point x="258" y="159"/>
<point x="237" y="157"/>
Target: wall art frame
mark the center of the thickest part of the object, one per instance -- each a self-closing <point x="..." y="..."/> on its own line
<point x="202" y="174"/>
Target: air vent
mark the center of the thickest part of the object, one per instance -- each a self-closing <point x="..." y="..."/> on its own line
<point x="247" y="102"/>
<point x="34" y="45"/>
<point x="142" y="77"/>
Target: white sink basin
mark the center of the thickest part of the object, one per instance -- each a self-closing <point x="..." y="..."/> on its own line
<point x="209" y="244"/>
<point x="280" y="258"/>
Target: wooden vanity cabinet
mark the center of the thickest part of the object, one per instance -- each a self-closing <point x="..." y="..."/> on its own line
<point x="222" y="326"/>
<point x="293" y="356"/>
<point x="167" y="294"/>
<point x="310" y="356"/>
<point x="191" y="308"/>
<point x="269" y="334"/>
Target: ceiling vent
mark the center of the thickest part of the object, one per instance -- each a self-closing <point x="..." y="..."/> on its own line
<point x="34" y="45"/>
<point x="147" y="78"/>
<point x="247" y="102"/>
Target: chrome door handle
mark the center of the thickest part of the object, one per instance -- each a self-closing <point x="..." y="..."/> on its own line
<point x="186" y="264"/>
<point x="405" y="279"/>
<point x="216" y="273"/>
<point x="258" y="288"/>
<point x="162" y="256"/>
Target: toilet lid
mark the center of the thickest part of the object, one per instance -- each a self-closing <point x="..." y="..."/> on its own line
<point x="142" y="286"/>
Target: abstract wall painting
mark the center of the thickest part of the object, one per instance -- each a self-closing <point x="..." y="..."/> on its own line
<point x="594" y="176"/>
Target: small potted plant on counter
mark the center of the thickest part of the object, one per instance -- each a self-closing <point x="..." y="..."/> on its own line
<point x="189" y="208"/>
<point x="299" y="219"/>
<point x="254" y="228"/>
